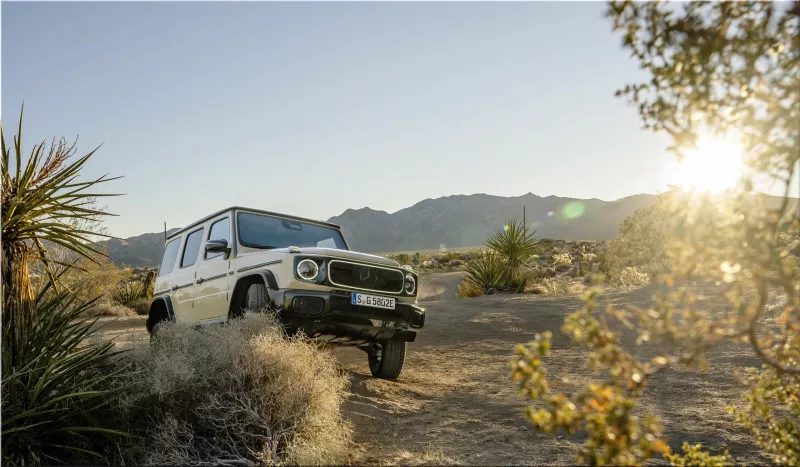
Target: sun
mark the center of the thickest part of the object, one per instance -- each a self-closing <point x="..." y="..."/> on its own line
<point x="715" y="165"/>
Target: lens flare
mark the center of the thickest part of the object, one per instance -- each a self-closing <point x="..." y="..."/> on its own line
<point x="573" y="210"/>
<point x="505" y="227"/>
<point x="550" y="214"/>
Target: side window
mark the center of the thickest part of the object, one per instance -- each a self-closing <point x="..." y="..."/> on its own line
<point x="170" y="255"/>
<point x="192" y="248"/>
<point x="220" y="230"/>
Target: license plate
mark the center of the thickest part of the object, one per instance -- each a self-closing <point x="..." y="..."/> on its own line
<point x="372" y="300"/>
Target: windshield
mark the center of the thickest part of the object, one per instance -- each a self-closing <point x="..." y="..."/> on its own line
<point x="263" y="231"/>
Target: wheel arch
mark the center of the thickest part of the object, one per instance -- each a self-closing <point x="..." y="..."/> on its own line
<point x="160" y="305"/>
<point x="244" y="282"/>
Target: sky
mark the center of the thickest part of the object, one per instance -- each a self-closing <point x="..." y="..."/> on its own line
<point x="313" y="108"/>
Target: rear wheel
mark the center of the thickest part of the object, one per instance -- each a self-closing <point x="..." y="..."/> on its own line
<point x="386" y="359"/>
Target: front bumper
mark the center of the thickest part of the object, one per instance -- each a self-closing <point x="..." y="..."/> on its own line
<point x="336" y="321"/>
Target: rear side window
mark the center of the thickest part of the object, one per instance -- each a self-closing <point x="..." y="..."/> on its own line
<point x="192" y="248"/>
<point x="170" y="255"/>
<point x="220" y="230"/>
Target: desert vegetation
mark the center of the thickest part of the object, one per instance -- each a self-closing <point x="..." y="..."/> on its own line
<point x="241" y="394"/>
<point x="714" y="67"/>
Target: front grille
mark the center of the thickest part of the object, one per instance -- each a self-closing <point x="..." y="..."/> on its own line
<point x="362" y="276"/>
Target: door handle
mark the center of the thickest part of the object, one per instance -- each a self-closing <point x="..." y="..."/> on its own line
<point x="200" y="280"/>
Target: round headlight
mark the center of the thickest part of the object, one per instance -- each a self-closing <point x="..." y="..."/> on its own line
<point x="307" y="269"/>
<point x="411" y="284"/>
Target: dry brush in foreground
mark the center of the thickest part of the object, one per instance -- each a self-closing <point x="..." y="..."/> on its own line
<point x="238" y="394"/>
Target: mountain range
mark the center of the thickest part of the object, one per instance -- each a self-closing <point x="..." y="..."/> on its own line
<point x="450" y="221"/>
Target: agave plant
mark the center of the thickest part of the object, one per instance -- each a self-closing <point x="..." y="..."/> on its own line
<point x="46" y="364"/>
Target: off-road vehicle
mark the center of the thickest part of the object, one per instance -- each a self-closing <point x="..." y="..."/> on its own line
<point x="241" y="260"/>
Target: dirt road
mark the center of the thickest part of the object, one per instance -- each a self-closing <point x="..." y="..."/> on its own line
<point x="455" y="403"/>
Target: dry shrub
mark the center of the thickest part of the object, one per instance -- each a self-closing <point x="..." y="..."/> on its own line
<point x="142" y="307"/>
<point x="631" y="277"/>
<point x="110" y="309"/>
<point x="468" y="289"/>
<point x="241" y="393"/>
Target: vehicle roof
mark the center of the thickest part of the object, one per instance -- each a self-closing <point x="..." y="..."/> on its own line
<point x="260" y="211"/>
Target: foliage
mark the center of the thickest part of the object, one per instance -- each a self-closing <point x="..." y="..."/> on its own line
<point x="514" y="242"/>
<point x="240" y="394"/>
<point x="469" y="289"/>
<point x="53" y="381"/>
<point x="562" y="258"/>
<point x="488" y="272"/>
<point x="94" y="277"/>
<point x="142" y="307"/>
<point x="630" y="277"/>
<point x="693" y="455"/>
<point x="129" y="293"/>
<point x="401" y="258"/>
<point x="722" y="67"/>
<point x="54" y="397"/>
<point x="642" y="242"/>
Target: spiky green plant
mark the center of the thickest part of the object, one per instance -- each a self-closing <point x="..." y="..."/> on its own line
<point x="129" y="293"/>
<point x="50" y="374"/>
<point x="514" y="242"/>
<point x="487" y="272"/>
<point x="53" y="399"/>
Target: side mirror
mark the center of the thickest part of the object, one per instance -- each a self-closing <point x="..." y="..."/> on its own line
<point x="217" y="246"/>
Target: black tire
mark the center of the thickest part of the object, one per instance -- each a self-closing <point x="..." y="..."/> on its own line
<point x="387" y="358"/>
<point x="155" y="320"/>
<point x="257" y="297"/>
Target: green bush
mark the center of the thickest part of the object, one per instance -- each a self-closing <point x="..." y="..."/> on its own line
<point x="142" y="307"/>
<point x="56" y="393"/>
<point x="469" y="289"/>
<point x="129" y="293"/>
<point x="488" y="272"/>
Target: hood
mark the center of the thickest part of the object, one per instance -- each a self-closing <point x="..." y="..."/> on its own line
<point x="344" y="254"/>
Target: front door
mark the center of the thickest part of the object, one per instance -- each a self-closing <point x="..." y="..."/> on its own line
<point x="183" y="279"/>
<point x="213" y="280"/>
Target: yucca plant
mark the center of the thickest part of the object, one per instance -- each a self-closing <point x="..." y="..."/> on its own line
<point x="45" y="361"/>
<point x="54" y="401"/>
<point x="488" y="272"/>
<point x="129" y="293"/>
<point x="515" y="243"/>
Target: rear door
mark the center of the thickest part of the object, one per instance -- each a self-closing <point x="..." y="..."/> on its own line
<point x="213" y="280"/>
<point x="183" y="278"/>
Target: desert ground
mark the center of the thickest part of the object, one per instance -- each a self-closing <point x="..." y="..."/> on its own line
<point x="454" y="403"/>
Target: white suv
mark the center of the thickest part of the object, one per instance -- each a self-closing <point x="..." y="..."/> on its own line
<point x="241" y="259"/>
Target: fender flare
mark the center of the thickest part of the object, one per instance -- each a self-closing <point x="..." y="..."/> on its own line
<point x="268" y="279"/>
<point x="167" y="304"/>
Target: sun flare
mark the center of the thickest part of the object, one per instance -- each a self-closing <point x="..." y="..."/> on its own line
<point x="715" y="165"/>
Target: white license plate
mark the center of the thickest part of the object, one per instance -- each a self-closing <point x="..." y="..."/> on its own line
<point x="372" y="300"/>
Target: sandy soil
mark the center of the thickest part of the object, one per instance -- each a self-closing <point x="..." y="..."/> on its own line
<point x="454" y="403"/>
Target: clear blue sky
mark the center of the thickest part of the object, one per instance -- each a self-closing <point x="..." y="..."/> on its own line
<point x="313" y="108"/>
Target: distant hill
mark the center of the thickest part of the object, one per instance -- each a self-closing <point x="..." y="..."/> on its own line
<point x="452" y="221"/>
<point x="465" y="220"/>
<point x="455" y="221"/>
<point x="141" y="250"/>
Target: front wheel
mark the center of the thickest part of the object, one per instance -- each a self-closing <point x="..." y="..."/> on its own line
<point x="386" y="359"/>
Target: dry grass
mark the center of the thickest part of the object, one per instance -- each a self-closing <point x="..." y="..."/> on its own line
<point x="241" y="394"/>
<point x="112" y="310"/>
<point x="468" y="289"/>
